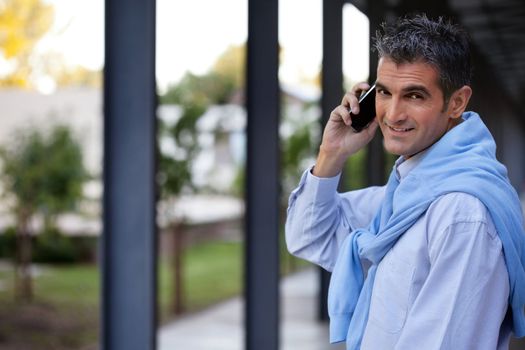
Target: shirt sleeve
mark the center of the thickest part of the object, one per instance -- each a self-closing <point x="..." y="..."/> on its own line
<point x="319" y="218"/>
<point x="463" y="301"/>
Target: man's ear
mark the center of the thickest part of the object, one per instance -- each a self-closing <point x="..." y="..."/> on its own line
<point x="458" y="101"/>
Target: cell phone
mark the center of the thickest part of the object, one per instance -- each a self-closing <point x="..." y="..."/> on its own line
<point x="367" y="110"/>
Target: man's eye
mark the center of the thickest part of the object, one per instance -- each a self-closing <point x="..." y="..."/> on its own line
<point x="414" y="96"/>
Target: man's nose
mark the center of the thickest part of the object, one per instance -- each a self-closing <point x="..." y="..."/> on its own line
<point x="395" y="112"/>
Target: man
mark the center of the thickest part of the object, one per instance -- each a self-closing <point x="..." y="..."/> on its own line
<point x="434" y="259"/>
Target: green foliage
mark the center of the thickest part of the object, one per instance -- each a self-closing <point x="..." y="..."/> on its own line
<point x="53" y="247"/>
<point x="194" y="94"/>
<point x="174" y="172"/>
<point x="239" y="182"/>
<point x="42" y="173"/>
<point x="299" y="144"/>
<point x="65" y="172"/>
<point x="173" y="175"/>
<point x="390" y="160"/>
<point x="200" y="90"/>
<point x="355" y="171"/>
<point x="8" y="243"/>
<point x="297" y="147"/>
<point x="23" y="169"/>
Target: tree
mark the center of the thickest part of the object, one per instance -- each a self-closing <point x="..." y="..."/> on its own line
<point x="41" y="174"/>
<point x="193" y="94"/>
<point x="22" y="24"/>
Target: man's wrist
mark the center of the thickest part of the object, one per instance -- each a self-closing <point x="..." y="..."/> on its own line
<point x="328" y="164"/>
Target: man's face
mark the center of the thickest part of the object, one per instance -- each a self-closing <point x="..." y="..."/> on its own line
<point x="409" y="106"/>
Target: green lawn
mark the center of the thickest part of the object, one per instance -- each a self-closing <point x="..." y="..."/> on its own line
<point x="65" y="310"/>
<point x="212" y="272"/>
<point x="63" y="315"/>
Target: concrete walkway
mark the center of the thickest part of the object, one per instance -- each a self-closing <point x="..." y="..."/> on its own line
<point x="221" y="328"/>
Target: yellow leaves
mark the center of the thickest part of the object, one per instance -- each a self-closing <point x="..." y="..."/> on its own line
<point x="22" y="24"/>
<point x="78" y="76"/>
<point x="15" y="79"/>
<point x="231" y="64"/>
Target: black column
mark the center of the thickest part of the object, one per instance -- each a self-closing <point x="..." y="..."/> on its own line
<point x="375" y="159"/>
<point x="332" y="93"/>
<point x="332" y="68"/>
<point x="129" y="238"/>
<point x="262" y="183"/>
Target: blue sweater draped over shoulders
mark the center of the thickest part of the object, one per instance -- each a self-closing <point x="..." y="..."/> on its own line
<point x="463" y="160"/>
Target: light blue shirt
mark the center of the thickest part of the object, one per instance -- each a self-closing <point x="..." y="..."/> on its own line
<point x="444" y="284"/>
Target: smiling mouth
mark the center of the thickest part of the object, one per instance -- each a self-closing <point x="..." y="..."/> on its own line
<point x="399" y="129"/>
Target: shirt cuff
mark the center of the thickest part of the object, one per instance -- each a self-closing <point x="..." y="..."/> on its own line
<point x="323" y="188"/>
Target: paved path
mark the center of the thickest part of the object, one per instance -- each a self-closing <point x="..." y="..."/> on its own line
<point x="220" y="327"/>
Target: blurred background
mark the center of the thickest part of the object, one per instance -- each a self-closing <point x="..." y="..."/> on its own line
<point x="51" y="152"/>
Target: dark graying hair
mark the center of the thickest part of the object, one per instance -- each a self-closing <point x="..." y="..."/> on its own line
<point x="440" y="43"/>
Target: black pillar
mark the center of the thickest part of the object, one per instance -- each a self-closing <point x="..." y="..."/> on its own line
<point x="332" y="93"/>
<point x="129" y="238"/>
<point x="262" y="182"/>
<point x="332" y="68"/>
<point x="375" y="156"/>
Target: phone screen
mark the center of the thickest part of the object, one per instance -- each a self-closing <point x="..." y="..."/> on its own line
<point x="367" y="110"/>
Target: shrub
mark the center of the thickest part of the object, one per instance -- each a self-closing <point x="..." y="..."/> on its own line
<point x="8" y="243"/>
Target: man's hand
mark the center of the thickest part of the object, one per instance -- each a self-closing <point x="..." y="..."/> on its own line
<point x="339" y="139"/>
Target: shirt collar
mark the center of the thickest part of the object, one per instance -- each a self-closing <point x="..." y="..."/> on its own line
<point x="403" y="166"/>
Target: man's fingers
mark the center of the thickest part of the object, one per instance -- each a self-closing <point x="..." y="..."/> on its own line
<point x="360" y="87"/>
<point x="341" y="113"/>
<point x="351" y="98"/>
